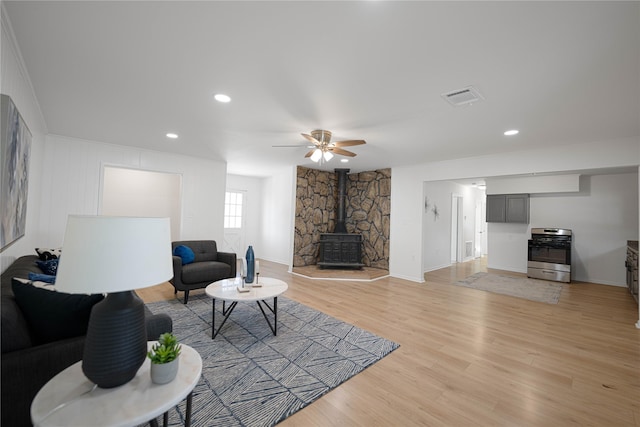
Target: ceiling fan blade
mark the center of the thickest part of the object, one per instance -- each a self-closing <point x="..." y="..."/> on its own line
<point x="310" y="138"/>
<point x="310" y="153"/>
<point x="342" y="152"/>
<point x="349" y="143"/>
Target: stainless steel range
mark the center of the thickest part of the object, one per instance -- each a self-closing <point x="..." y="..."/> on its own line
<point x="550" y="254"/>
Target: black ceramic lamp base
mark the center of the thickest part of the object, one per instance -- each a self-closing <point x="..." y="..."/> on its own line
<point x="116" y="342"/>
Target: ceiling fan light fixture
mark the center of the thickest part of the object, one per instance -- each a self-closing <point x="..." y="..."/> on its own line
<point x="325" y="150"/>
<point x="317" y="155"/>
<point x="324" y="136"/>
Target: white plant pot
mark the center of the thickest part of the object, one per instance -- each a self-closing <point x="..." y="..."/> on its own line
<point x="165" y="372"/>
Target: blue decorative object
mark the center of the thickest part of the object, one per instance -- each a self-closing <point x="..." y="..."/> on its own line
<point x="49" y="266"/>
<point x="251" y="265"/>
<point x="47" y="278"/>
<point x="186" y="253"/>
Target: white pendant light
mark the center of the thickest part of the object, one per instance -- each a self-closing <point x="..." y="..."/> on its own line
<point x="317" y="154"/>
<point x="327" y="156"/>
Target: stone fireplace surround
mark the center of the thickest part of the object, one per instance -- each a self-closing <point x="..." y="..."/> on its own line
<point x="368" y="207"/>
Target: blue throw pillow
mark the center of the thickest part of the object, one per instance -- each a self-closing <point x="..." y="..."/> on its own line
<point x="49" y="266"/>
<point x="185" y="253"/>
<point x="47" y="278"/>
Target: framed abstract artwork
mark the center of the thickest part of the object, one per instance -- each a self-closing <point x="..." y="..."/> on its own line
<point x="15" y="149"/>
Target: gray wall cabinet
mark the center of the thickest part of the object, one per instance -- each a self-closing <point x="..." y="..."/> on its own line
<point x="508" y="208"/>
<point x="496" y="208"/>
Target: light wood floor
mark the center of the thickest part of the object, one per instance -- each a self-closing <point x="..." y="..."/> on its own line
<point x="472" y="358"/>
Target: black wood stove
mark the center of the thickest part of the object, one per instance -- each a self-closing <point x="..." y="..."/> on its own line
<point x="341" y="249"/>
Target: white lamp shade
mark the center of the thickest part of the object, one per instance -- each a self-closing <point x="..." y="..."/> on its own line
<point x="317" y="154"/>
<point x="327" y="156"/>
<point x="104" y="254"/>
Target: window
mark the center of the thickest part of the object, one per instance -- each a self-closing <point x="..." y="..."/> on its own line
<point x="233" y="209"/>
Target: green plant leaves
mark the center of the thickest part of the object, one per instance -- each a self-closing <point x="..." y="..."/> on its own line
<point x="165" y="350"/>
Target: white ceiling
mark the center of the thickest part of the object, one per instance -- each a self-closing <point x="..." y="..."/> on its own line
<point x="129" y="72"/>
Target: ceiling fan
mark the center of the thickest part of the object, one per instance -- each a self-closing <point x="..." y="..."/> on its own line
<point x="325" y="149"/>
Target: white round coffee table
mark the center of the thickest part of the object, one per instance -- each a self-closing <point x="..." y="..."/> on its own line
<point x="68" y="399"/>
<point x="227" y="291"/>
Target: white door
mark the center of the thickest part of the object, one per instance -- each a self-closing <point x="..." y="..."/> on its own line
<point x="233" y="241"/>
<point x="478" y="232"/>
<point x="483" y="223"/>
<point x="234" y="230"/>
<point x="454" y="229"/>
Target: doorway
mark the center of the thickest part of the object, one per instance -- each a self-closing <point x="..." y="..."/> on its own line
<point x="480" y="249"/>
<point x="457" y="232"/>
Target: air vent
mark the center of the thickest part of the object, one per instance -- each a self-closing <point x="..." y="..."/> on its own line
<point x="465" y="96"/>
<point x="468" y="249"/>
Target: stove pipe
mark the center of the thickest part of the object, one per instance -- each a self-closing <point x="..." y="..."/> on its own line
<point x="342" y="199"/>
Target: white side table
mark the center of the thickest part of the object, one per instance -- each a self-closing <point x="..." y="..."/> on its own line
<point x="136" y="402"/>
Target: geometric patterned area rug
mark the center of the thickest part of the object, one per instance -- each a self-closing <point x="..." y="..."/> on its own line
<point x="251" y="377"/>
<point x="520" y="287"/>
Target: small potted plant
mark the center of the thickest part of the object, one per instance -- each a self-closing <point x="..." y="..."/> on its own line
<point x="164" y="358"/>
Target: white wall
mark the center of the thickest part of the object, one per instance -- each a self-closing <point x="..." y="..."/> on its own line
<point x="77" y="165"/>
<point x="437" y="229"/>
<point x="407" y="205"/>
<point x="141" y="193"/>
<point x="406" y="257"/>
<point x="534" y="184"/>
<point x="278" y="207"/>
<point x="14" y="82"/>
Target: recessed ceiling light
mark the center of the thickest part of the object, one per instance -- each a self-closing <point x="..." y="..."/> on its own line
<point x="220" y="97"/>
<point x="344" y="160"/>
<point x="172" y="135"/>
<point x="511" y="132"/>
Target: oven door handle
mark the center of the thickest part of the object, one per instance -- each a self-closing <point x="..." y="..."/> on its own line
<point x="548" y="246"/>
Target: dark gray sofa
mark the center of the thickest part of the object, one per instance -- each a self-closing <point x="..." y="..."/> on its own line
<point x="208" y="266"/>
<point x="27" y="362"/>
